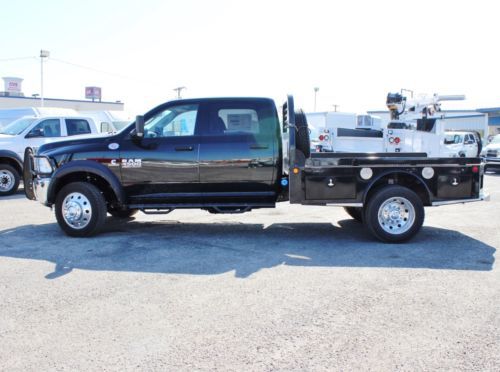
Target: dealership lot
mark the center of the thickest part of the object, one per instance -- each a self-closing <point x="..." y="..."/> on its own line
<point x="295" y="288"/>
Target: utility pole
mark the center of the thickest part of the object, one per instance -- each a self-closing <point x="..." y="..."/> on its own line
<point x="43" y="54"/>
<point x="335" y="107"/>
<point x="179" y="90"/>
<point x="316" y="89"/>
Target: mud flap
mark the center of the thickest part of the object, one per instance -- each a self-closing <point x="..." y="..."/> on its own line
<point x="28" y="173"/>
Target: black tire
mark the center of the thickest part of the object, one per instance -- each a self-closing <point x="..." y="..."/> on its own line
<point x="408" y="221"/>
<point x="302" y="141"/>
<point x="94" y="199"/>
<point x="122" y="213"/>
<point x="355" y="212"/>
<point x="9" y="179"/>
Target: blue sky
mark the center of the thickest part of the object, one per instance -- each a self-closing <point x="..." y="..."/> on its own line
<point x="354" y="51"/>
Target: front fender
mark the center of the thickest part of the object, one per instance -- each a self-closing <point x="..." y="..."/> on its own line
<point x="12" y="156"/>
<point x="86" y="166"/>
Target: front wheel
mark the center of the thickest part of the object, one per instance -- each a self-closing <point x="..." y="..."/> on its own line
<point x="394" y="214"/>
<point x="80" y="209"/>
<point x="9" y="180"/>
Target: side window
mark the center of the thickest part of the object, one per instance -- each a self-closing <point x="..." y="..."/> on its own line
<point x="235" y="121"/>
<point x="47" y="128"/>
<point x="254" y="120"/>
<point x="173" y="122"/>
<point x="77" y="126"/>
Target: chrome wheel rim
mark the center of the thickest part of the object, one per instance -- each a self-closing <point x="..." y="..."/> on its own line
<point x="6" y="180"/>
<point x="76" y="210"/>
<point x="396" y="215"/>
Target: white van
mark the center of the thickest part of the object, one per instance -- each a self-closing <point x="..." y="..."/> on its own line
<point x="109" y="121"/>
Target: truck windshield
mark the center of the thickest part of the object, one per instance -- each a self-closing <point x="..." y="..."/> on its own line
<point x="452" y="139"/>
<point x="17" y="126"/>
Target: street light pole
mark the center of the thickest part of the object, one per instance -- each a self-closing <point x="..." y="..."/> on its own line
<point x="315" y="94"/>
<point x="43" y="54"/>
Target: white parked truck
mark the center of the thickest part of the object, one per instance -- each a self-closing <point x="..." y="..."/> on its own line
<point x="8" y="115"/>
<point x="33" y="132"/>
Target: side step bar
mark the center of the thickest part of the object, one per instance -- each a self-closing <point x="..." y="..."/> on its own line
<point x="219" y="208"/>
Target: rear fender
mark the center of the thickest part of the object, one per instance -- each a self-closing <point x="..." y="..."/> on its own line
<point x="391" y="174"/>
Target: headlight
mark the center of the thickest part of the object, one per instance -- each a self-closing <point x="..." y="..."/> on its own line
<point x="42" y="165"/>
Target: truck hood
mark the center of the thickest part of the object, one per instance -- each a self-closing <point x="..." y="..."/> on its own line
<point x="492" y="146"/>
<point x="6" y="142"/>
<point x="5" y="136"/>
<point x="75" y="144"/>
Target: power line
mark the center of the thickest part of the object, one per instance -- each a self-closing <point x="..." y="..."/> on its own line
<point x="91" y="68"/>
<point x="142" y="80"/>
<point x="15" y="59"/>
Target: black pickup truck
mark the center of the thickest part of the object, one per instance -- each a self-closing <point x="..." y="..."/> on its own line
<point x="232" y="155"/>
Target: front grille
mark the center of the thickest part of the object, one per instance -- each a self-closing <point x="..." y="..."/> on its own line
<point x="492" y="153"/>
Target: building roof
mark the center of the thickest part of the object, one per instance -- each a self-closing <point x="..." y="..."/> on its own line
<point x="60" y="99"/>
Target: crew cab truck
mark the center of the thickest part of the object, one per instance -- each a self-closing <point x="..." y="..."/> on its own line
<point x="31" y="131"/>
<point x="226" y="155"/>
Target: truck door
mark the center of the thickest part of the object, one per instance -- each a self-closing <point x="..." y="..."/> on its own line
<point x="239" y="149"/>
<point x="163" y="166"/>
<point x="470" y="146"/>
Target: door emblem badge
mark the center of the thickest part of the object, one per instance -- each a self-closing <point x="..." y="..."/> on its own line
<point x="113" y="146"/>
<point x="126" y="163"/>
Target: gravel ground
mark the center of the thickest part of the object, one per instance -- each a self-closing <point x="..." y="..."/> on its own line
<point x="294" y="288"/>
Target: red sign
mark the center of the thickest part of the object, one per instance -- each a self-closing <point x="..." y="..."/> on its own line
<point x="93" y="93"/>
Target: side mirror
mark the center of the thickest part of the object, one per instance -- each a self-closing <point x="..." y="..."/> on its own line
<point x="35" y="133"/>
<point x="139" y="126"/>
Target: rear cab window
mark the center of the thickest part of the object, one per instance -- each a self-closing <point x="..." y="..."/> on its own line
<point x="77" y="126"/>
<point x="255" y="119"/>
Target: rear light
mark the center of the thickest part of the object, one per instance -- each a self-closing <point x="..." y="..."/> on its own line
<point x="475" y="169"/>
<point x="397" y="140"/>
<point x="321" y="137"/>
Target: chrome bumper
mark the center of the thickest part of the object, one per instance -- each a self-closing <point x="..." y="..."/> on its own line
<point x="41" y="188"/>
<point x="482" y="197"/>
<point x="495" y="162"/>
